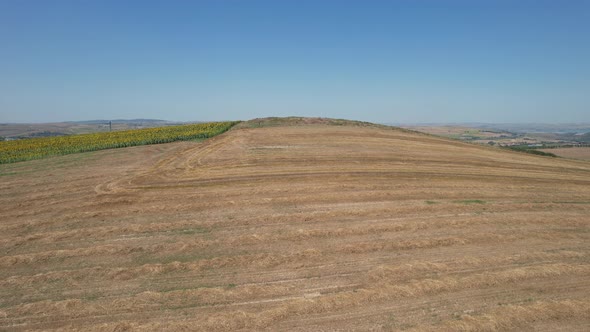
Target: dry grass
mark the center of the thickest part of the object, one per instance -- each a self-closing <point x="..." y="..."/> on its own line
<point x="513" y="317"/>
<point x="318" y="225"/>
<point x="582" y="153"/>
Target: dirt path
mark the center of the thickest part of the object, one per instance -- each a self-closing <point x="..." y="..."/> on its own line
<point x="296" y="228"/>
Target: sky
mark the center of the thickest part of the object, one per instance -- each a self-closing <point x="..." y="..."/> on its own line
<point x="413" y="61"/>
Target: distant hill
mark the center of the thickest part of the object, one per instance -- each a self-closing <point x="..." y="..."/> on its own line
<point x="29" y="130"/>
<point x="120" y="121"/>
<point x="558" y="128"/>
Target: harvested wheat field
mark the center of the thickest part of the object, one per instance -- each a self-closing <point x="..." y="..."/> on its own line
<point x="306" y="227"/>
<point x="582" y="153"/>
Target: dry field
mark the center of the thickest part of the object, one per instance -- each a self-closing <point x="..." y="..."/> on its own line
<point x="582" y="153"/>
<point x="299" y="228"/>
<point x="454" y="131"/>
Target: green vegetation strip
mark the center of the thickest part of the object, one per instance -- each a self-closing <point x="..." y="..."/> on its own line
<point x="531" y="151"/>
<point x="37" y="148"/>
<point x="471" y="201"/>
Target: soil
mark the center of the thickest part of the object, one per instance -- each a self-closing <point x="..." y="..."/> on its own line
<point x="582" y="153"/>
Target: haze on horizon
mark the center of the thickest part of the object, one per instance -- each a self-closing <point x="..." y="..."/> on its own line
<point x="387" y="62"/>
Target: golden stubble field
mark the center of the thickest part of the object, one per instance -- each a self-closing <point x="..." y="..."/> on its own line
<point x="297" y="228"/>
<point x="582" y="153"/>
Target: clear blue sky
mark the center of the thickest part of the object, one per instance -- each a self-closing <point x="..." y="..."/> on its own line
<point x="380" y="61"/>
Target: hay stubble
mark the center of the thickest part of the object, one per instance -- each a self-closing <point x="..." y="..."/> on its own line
<point x="296" y="228"/>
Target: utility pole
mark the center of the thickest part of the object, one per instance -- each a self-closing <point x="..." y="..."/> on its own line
<point x="110" y="125"/>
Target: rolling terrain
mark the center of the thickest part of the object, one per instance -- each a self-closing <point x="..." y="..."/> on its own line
<point x="311" y="226"/>
<point x="28" y="130"/>
<point x="582" y="153"/>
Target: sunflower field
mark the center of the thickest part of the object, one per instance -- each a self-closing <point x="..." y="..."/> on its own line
<point x="36" y="148"/>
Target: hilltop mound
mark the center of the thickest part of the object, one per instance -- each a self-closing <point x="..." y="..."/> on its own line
<point x="303" y="121"/>
<point x="312" y="226"/>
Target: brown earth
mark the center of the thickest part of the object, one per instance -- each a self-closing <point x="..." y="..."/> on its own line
<point x="455" y="131"/>
<point x="582" y="153"/>
<point x="300" y="228"/>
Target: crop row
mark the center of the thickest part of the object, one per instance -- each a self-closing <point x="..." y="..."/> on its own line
<point x="36" y="148"/>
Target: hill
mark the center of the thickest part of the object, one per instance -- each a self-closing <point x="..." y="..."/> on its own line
<point x="30" y="130"/>
<point x="556" y="136"/>
<point x="296" y="224"/>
